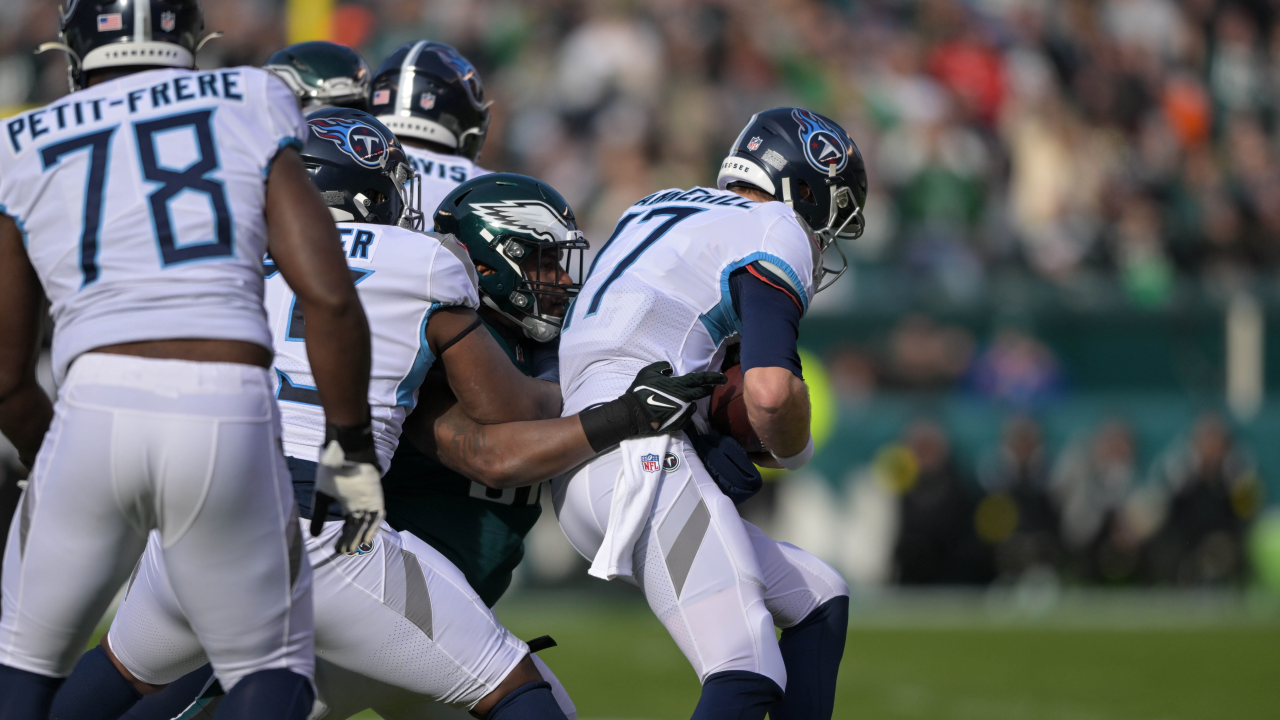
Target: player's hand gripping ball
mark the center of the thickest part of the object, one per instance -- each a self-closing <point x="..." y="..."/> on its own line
<point x="728" y="412"/>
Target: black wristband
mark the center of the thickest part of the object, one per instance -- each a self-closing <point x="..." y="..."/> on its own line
<point x="608" y="424"/>
<point x="356" y="441"/>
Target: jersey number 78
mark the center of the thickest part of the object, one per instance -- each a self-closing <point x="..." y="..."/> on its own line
<point x="170" y="183"/>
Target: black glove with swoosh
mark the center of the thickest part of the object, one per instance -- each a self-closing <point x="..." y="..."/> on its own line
<point x="657" y="402"/>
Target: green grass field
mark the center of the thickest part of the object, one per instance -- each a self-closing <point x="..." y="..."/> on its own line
<point x="619" y="663"/>
<point x="1138" y="658"/>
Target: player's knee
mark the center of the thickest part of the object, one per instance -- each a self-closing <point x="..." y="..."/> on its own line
<point x="531" y="701"/>
<point x="832" y="616"/>
<point x="95" y="689"/>
<point x="25" y="695"/>
<point x="278" y="693"/>
<point x="839" y="587"/>
<point x="736" y="694"/>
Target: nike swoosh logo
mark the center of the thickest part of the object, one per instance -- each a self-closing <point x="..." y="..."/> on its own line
<point x="655" y="403"/>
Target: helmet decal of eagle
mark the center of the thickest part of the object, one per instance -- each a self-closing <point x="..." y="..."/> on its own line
<point x="529" y="217"/>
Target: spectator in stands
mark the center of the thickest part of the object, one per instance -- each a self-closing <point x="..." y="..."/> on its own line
<point x="1091" y="482"/>
<point x="936" y="542"/>
<point x="1017" y="369"/>
<point x="1211" y="492"/>
<point x="1018" y="516"/>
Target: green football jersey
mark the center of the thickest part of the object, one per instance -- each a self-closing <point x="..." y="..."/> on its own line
<point x="481" y="530"/>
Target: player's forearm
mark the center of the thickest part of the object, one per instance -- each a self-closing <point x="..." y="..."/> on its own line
<point x="338" y="350"/>
<point x="25" y="414"/>
<point x="778" y="407"/>
<point x="511" y="454"/>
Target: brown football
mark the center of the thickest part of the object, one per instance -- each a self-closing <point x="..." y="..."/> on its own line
<point x="728" y="412"/>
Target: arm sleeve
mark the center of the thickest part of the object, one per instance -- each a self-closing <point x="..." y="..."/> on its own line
<point x="770" y="315"/>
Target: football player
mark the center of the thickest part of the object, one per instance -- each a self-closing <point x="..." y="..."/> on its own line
<point x="397" y="598"/>
<point x="141" y="205"/>
<point x="433" y="100"/>
<point x="323" y="75"/>
<point x="516" y="242"/>
<point x="683" y="273"/>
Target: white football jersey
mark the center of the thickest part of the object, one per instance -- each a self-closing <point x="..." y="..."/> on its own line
<point x="659" y="287"/>
<point x="439" y="175"/>
<point x="402" y="277"/>
<point x="142" y="203"/>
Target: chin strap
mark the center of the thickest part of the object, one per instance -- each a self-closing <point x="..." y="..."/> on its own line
<point x="211" y="36"/>
<point x="73" y="64"/>
<point x="541" y="331"/>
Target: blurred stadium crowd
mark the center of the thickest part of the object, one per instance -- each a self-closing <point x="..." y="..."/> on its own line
<point x="1087" y="516"/>
<point x="1056" y="139"/>
<point x="1129" y="135"/>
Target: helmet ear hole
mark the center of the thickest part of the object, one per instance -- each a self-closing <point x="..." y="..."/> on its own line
<point x="805" y="193"/>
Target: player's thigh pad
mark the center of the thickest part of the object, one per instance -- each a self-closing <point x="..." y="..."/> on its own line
<point x="69" y="547"/>
<point x="192" y="450"/>
<point x="795" y="581"/>
<point x="136" y="443"/>
<point x="403" y="615"/>
<point x="695" y="562"/>
<point x="150" y="635"/>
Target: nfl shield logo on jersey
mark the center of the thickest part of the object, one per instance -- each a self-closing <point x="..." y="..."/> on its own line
<point x="754" y="144"/>
<point x="427" y="101"/>
<point x="650" y="463"/>
<point x="168" y="21"/>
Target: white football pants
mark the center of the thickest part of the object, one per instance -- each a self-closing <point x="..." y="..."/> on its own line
<point x="191" y="449"/>
<point x="397" y="628"/>
<point x="716" y="581"/>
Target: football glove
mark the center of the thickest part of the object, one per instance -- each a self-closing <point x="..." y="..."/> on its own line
<point x="348" y="474"/>
<point x="657" y="402"/>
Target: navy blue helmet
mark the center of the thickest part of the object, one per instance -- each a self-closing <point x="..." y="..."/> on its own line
<point x="808" y="162"/>
<point x="99" y="34"/>
<point x="361" y="169"/>
<point x="428" y="91"/>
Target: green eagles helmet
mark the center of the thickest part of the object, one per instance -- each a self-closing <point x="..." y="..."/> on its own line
<point x="524" y="232"/>
<point x="323" y="74"/>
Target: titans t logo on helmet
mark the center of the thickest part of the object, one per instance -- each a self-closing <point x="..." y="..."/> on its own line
<point x="823" y="145"/>
<point x="354" y="138"/>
